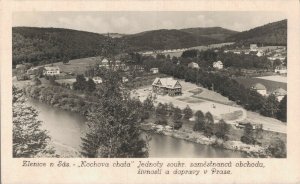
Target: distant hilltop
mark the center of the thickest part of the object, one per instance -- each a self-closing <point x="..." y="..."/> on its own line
<point x="46" y="45"/>
<point x="270" y="34"/>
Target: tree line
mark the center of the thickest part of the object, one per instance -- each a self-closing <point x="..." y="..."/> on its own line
<point x="223" y="84"/>
<point x="206" y="58"/>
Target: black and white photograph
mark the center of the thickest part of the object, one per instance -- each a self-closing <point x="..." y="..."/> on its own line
<point x="157" y="84"/>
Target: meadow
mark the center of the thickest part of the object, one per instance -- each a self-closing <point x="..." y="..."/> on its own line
<point x="270" y="85"/>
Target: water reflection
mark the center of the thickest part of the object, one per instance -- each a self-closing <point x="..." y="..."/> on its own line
<point x="67" y="127"/>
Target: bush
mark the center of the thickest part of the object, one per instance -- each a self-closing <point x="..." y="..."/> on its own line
<point x="177" y="125"/>
<point x="248" y="140"/>
<point x="161" y="121"/>
<point x="277" y="148"/>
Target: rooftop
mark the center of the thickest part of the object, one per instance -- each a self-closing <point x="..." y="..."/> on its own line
<point x="259" y="86"/>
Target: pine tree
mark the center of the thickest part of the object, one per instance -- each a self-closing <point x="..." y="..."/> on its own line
<point x="177" y="114"/>
<point x="270" y="107"/>
<point x="208" y="125"/>
<point x="282" y="114"/>
<point x="90" y="85"/>
<point x="29" y="140"/>
<point x="222" y="130"/>
<point x="248" y="136"/>
<point x="188" y="113"/>
<point x="199" y="121"/>
<point x="113" y="126"/>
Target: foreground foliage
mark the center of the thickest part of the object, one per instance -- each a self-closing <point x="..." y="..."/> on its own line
<point x="29" y="139"/>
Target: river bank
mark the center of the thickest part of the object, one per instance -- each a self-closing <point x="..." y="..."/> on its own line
<point x="186" y="134"/>
<point x="66" y="129"/>
<point x="199" y="138"/>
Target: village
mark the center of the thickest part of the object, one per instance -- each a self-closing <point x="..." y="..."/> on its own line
<point x="229" y="97"/>
<point x="167" y="89"/>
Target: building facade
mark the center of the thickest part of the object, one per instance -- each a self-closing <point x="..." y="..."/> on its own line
<point x="279" y="94"/>
<point x="218" y="65"/>
<point x="51" y="70"/>
<point x="167" y="86"/>
<point x="154" y="70"/>
<point x="193" y="65"/>
<point x="259" y="88"/>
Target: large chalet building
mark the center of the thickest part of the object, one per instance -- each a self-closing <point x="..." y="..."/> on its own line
<point x="167" y="86"/>
<point x="51" y="70"/>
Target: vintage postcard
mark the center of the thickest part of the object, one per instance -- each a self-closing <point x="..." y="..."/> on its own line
<point x="150" y="92"/>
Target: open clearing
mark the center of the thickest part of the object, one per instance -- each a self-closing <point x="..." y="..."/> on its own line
<point x="208" y="103"/>
<point x="270" y="85"/>
<point x="77" y="66"/>
<point x="190" y="100"/>
<point x="276" y="78"/>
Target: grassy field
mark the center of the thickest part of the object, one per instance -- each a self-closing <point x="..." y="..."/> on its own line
<point x="232" y="116"/>
<point x="270" y="85"/>
<point x="276" y="78"/>
<point x="78" y="66"/>
<point x="205" y="94"/>
<point x="208" y="100"/>
<point x="190" y="100"/>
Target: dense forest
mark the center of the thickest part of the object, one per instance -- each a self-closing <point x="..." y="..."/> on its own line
<point x="166" y="39"/>
<point x="240" y="61"/>
<point x="218" y="33"/>
<point x="48" y="45"/>
<point x="270" y="34"/>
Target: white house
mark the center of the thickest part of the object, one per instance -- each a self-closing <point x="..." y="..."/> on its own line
<point x="124" y="79"/>
<point x="154" y="70"/>
<point x="279" y="93"/>
<point x="260" y="53"/>
<point x="253" y="47"/>
<point x="218" y="65"/>
<point x="193" y="65"/>
<point x="261" y="89"/>
<point x="104" y="63"/>
<point x="281" y="70"/>
<point x="97" y="80"/>
<point x="51" y="70"/>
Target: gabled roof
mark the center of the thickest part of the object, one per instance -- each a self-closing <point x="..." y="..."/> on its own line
<point x="104" y="61"/>
<point x="51" y="68"/>
<point x="259" y="86"/>
<point x="279" y="92"/>
<point x="97" y="78"/>
<point x="166" y="82"/>
<point x="218" y="62"/>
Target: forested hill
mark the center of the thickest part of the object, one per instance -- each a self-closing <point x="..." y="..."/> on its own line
<point x="46" y="45"/>
<point x="218" y="33"/>
<point x="166" y="39"/>
<point x="270" y="34"/>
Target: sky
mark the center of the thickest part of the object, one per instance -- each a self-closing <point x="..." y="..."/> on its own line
<point x="135" y="22"/>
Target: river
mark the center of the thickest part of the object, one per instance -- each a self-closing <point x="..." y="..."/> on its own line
<point x="66" y="128"/>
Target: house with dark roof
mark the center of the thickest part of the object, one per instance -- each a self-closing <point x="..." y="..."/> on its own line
<point x="279" y="93"/>
<point x="193" y="65"/>
<point x="168" y="86"/>
<point x="261" y="89"/>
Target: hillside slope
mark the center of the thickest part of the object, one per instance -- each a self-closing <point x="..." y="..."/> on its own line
<point x="45" y="45"/>
<point x="218" y="33"/>
<point x="270" y="34"/>
<point x="165" y="39"/>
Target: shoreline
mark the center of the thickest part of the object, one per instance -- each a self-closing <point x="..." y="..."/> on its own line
<point x="251" y="151"/>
